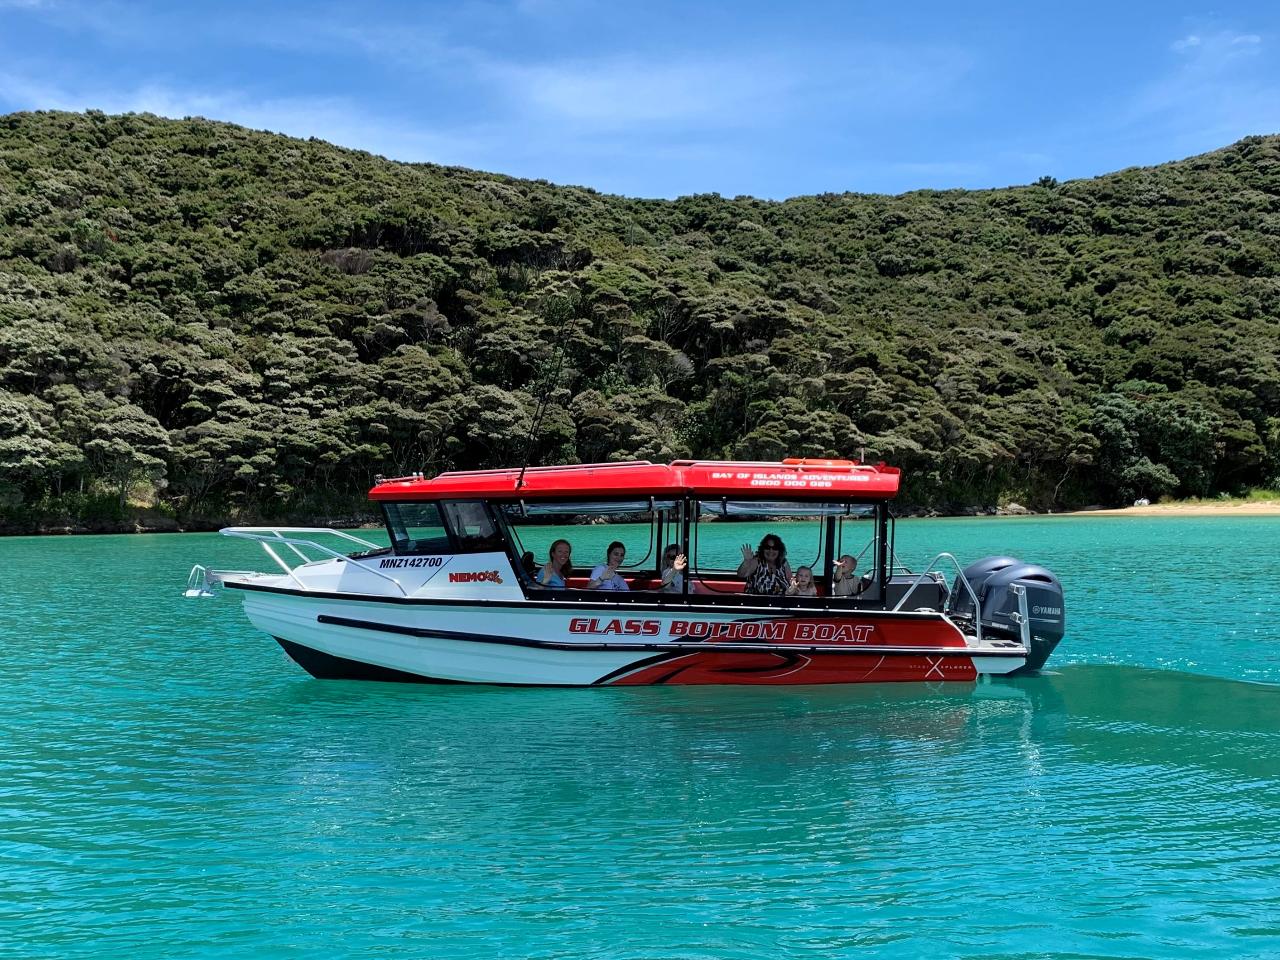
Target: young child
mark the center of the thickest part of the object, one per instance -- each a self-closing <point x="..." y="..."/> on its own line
<point x="802" y="584"/>
<point x="843" y="582"/>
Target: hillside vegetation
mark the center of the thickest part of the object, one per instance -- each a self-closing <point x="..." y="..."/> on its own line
<point x="242" y="324"/>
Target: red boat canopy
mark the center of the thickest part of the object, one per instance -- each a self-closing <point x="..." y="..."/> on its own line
<point x="792" y="479"/>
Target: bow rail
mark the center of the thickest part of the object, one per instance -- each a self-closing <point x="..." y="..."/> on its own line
<point x="201" y="580"/>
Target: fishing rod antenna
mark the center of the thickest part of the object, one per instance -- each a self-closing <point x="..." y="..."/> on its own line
<point x="547" y="386"/>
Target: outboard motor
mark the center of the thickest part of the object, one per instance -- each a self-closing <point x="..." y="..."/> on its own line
<point x="977" y="573"/>
<point x="992" y="579"/>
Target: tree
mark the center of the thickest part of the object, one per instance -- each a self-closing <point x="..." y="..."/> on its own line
<point x="28" y="452"/>
<point x="128" y="447"/>
<point x="298" y="316"/>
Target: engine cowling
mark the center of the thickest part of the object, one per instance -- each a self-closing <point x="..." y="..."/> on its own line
<point x="992" y="580"/>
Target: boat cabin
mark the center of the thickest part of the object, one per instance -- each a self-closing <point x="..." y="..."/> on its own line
<point x="710" y="512"/>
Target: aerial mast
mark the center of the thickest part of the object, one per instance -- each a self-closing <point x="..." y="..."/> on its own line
<point x="547" y="386"/>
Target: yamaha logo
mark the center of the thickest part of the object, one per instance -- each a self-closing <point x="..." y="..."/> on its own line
<point x="1052" y="611"/>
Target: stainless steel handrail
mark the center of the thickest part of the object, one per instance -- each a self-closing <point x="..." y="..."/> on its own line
<point x="896" y="564"/>
<point x="977" y="609"/>
<point x="256" y="533"/>
<point x="198" y="583"/>
<point x="201" y="580"/>
<point x="1023" y="617"/>
<point x="275" y="535"/>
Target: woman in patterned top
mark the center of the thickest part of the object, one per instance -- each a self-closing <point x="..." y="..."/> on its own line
<point x="766" y="571"/>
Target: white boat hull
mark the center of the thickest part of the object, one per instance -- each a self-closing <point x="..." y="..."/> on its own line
<point x="561" y="644"/>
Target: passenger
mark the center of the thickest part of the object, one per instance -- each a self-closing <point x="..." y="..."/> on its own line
<point x="555" y="571"/>
<point x="673" y="566"/>
<point x="802" y="584"/>
<point x="605" y="576"/>
<point x="843" y="582"/>
<point x="529" y="565"/>
<point x="766" y="571"/>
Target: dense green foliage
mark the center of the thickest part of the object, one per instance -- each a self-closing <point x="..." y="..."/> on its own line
<point x="246" y="322"/>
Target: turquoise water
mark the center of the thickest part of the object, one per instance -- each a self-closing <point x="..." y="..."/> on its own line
<point x="171" y="785"/>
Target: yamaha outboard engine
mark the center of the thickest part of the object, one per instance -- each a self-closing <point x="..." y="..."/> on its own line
<point x="993" y="580"/>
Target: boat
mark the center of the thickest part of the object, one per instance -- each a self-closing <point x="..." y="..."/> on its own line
<point x="458" y="597"/>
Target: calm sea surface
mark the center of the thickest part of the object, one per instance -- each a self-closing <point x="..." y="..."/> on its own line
<point x="171" y="785"/>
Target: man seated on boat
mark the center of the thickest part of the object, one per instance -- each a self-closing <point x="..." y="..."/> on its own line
<point x="605" y="576"/>
<point x="555" y="572"/>
<point x="529" y="565"/>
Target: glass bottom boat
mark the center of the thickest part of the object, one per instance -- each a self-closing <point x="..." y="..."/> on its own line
<point x="475" y="586"/>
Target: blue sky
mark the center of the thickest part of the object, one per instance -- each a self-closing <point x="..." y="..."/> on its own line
<point x="663" y="99"/>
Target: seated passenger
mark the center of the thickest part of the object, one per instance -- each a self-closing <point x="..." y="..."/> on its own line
<point x="529" y="565"/>
<point x="843" y="581"/>
<point x="555" y="571"/>
<point x="605" y="576"/>
<point x="802" y="584"/>
<point x="766" y="571"/>
<point x="673" y="565"/>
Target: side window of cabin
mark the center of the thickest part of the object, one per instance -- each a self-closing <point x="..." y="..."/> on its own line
<point x="856" y="536"/>
<point x="725" y="526"/>
<point x="417" y="528"/>
<point x="590" y="527"/>
<point x="473" y="527"/>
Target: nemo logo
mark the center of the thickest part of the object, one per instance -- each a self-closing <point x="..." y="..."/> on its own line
<point x="478" y="576"/>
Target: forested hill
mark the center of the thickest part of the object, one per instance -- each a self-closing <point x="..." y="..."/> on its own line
<point x="236" y="322"/>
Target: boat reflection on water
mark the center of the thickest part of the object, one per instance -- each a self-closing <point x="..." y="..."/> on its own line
<point x="1108" y="715"/>
<point x="1146" y="717"/>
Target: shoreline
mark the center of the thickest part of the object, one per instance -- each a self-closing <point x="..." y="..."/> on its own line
<point x="152" y="524"/>
<point x="1241" y="508"/>
<point x="147" y="521"/>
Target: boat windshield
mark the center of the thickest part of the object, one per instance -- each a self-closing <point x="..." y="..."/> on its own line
<point x="416" y="528"/>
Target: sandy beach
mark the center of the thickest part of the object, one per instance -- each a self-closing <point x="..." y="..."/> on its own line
<point x="1243" y="508"/>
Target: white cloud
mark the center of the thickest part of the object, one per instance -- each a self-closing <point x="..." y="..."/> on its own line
<point x="620" y="121"/>
<point x="602" y="92"/>
<point x="1216" y="89"/>
<point x="672" y="87"/>
<point x="335" y="119"/>
<point x="1213" y="66"/>
<point x="1216" y="46"/>
<point x="622" y="91"/>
